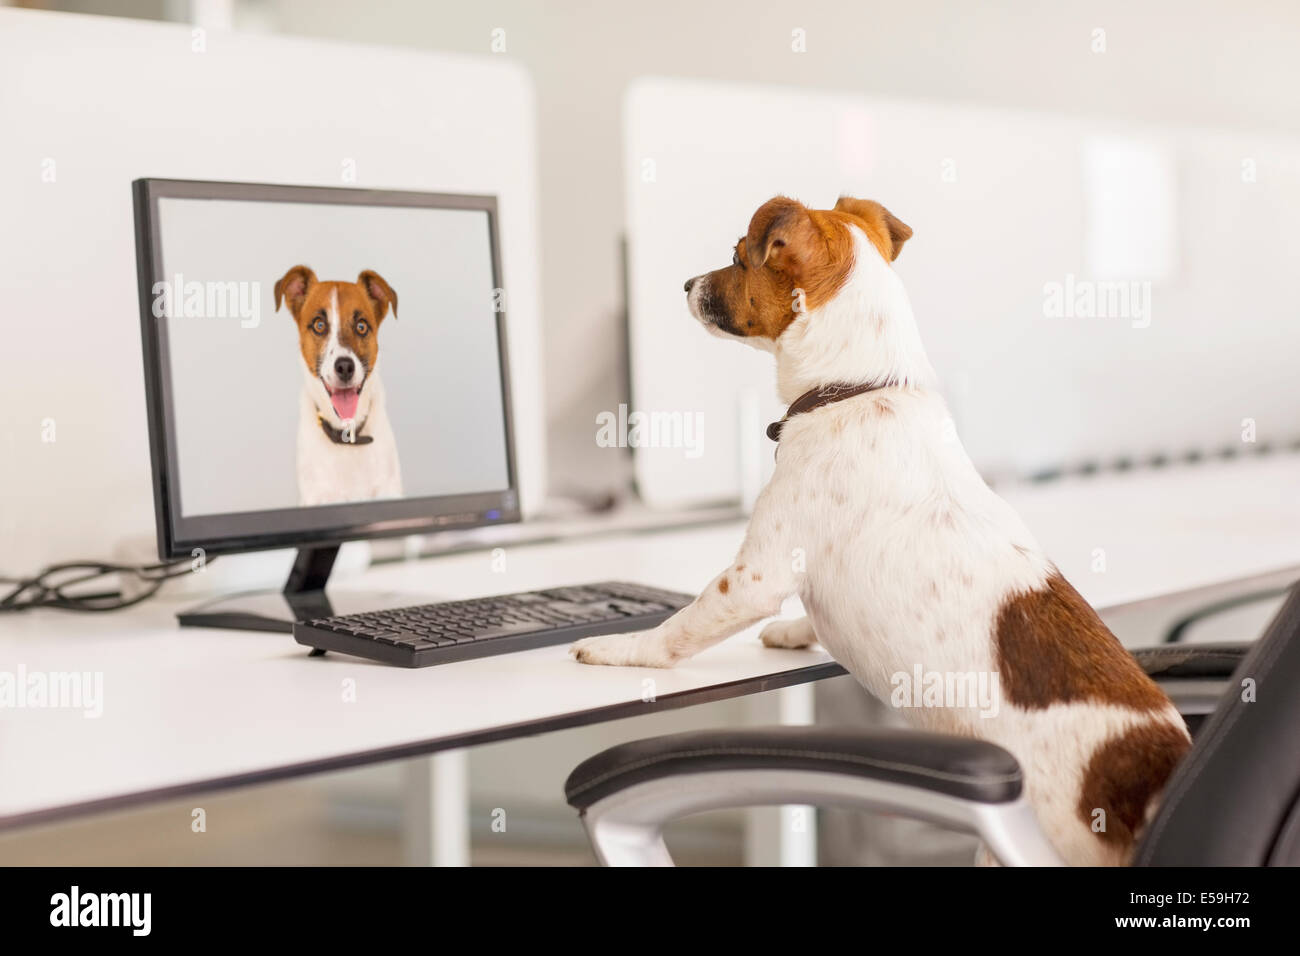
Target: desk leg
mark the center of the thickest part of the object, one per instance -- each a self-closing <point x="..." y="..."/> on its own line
<point x="781" y="836"/>
<point x="436" y="831"/>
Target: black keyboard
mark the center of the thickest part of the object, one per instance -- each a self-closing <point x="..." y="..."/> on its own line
<point x="459" y="630"/>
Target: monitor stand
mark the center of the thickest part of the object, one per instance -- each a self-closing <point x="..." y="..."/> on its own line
<point x="302" y="599"/>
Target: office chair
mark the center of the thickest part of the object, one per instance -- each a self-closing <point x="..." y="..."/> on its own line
<point x="1233" y="801"/>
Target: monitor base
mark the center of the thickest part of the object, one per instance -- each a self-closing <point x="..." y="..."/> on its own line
<point x="247" y="611"/>
<point x="303" y="598"/>
<point x="271" y="611"/>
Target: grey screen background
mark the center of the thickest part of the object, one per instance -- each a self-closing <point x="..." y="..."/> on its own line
<point x="236" y="390"/>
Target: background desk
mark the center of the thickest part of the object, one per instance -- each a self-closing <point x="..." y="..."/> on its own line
<point x="189" y="710"/>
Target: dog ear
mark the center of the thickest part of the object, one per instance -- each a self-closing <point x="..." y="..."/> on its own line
<point x="379" y="291"/>
<point x="293" y="288"/>
<point x="876" y="217"/>
<point x="779" y="233"/>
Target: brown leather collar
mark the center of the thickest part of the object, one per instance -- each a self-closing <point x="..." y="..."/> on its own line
<point x="825" y="395"/>
<point x="339" y="437"/>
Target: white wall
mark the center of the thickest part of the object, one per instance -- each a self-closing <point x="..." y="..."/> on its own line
<point x="91" y="103"/>
<point x="1171" y="336"/>
<point x="1230" y="66"/>
<point x="1172" y="62"/>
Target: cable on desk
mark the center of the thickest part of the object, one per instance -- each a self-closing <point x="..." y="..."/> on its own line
<point x="45" y="589"/>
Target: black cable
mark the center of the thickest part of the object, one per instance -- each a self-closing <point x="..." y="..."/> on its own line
<point x="1176" y="631"/>
<point x="40" y="591"/>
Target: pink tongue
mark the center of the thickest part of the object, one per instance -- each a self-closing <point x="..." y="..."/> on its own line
<point x="345" y="403"/>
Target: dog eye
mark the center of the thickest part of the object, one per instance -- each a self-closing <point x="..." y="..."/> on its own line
<point x="319" y="326"/>
<point x="735" y="258"/>
<point x="362" y="328"/>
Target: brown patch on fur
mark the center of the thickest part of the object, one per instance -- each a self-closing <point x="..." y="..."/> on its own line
<point x="740" y="567"/>
<point x="1123" y="775"/>
<point x="756" y="576"/>
<point x="1052" y="648"/>
<point x="885" y="230"/>
<point x="292" y="288"/>
<point x="723" y="586"/>
<point x="362" y="306"/>
<point x="791" y="260"/>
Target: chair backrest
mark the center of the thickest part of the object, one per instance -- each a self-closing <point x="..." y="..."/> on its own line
<point x="1235" y="798"/>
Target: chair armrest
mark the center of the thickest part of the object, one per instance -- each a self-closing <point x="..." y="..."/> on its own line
<point x="1191" y="661"/>
<point x="628" y="793"/>
<point x="1194" y="676"/>
<point x="958" y="766"/>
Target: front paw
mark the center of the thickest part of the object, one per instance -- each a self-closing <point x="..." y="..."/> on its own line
<point x="790" y="634"/>
<point x="645" y="649"/>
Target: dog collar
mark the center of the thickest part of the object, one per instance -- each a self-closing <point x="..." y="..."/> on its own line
<point x="817" y="397"/>
<point x="337" y="437"/>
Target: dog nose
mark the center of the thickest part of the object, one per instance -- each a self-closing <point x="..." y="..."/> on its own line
<point x="689" y="283"/>
<point x="343" y="368"/>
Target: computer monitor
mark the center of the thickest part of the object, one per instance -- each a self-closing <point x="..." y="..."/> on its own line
<point x="321" y="365"/>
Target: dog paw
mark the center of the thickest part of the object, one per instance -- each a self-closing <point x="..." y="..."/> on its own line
<point x="791" y="634"/>
<point x="644" y="649"/>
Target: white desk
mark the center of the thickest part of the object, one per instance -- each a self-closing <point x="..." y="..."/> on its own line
<point x="190" y="710"/>
<point x="1168" y="530"/>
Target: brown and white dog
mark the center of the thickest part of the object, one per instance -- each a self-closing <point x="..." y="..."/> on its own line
<point x="346" y="448"/>
<point x="903" y="557"/>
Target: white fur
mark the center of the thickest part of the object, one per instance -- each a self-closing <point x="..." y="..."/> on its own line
<point x="330" y="473"/>
<point x="900" y="552"/>
<point x="335" y="349"/>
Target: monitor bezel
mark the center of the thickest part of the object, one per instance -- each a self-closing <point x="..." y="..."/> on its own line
<point x="317" y="526"/>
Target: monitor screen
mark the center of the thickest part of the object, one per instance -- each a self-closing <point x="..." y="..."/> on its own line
<point x="323" y="363"/>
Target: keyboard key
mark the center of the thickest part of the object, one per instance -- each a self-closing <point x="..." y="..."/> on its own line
<point x="505" y="630"/>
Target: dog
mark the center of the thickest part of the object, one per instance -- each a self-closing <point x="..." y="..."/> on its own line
<point x="346" y="448"/>
<point x="902" y="556"/>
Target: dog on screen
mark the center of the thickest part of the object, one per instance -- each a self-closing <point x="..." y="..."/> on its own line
<point x="346" y="449"/>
